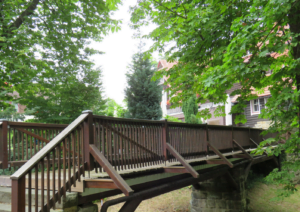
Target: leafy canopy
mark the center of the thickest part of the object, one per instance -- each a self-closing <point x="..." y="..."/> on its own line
<point x="47" y="39"/>
<point x="219" y="43"/>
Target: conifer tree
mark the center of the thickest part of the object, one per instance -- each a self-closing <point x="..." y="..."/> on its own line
<point x="143" y="94"/>
<point x="190" y="110"/>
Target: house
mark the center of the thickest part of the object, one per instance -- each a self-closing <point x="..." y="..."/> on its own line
<point x="252" y="110"/>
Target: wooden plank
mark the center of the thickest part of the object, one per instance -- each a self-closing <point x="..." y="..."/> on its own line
<point x="118" y="180"/>
<point x="187" y="166"/>
<point x="220" y="154"/>
<point x="243" y="150"/>
<point x="175" y="170"/>
<point x="240" y="156"/>
<point x="100" y="183"/>
<point x="216" y="161"/>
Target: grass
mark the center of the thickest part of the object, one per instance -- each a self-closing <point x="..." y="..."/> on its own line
<point x="179" y="201"/>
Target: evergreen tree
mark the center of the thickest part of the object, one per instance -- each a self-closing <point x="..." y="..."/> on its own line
<point x="143" y="94"/>
<point x="190" y="110"/>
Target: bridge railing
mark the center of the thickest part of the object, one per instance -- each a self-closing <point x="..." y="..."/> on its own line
<point x="129" y="143"/>
<point x="117" y="144"/>
<point x="56" y="167"/>
<point x="19" y="141"/>
<point x="134" y="143"/>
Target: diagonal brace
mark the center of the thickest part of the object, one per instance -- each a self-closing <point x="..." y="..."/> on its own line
<point x="220" y="154"/>
<point x="130" y="140"/>
<point x="118" y="180"/>
<point x="243" y="150"/>
<point x="186" y="165"/>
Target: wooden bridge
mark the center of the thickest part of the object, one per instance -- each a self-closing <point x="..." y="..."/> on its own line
<point x="58" y="157"/>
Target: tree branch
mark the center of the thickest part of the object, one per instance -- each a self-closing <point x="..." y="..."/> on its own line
<point x="29" y="11"/>
<point x="170" y="10"/>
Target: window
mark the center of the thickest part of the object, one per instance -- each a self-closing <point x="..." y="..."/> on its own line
<point x="255" y="106"/>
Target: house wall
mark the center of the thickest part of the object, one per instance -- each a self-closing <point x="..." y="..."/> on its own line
<point x="253" y="120"/>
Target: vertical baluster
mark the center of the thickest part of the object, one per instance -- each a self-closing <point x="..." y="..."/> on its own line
<point x="53" y="178"/>
<point x="135" y="134"/>
<point x="34" y="141"/>
<point x="69" y="162"/>
<point x="48" y="182"/>
<point x="19" y="140"/>
<point x="9" y="144"/>
<point x="102" y="138"/>
<point x="95" y="142"/>
<point x="114" y="141"/>
<point x="131" y="146"/>
<point x="30" y="142"/>
<point x="78" y="153"/>
<point x="36" y="187"/>
<point x="126" y="143"/>
<point x="121" y="146"/>
<point x="83" y="152"/>
<point x="14" y="145"/>
<point x="39" y="132"/>
<point x="24" y="146"/>
<point x="145" y="142"/>
<point x="42" y="184"/>
<point x="29" y="191"/>
<point x="64" y="168"/>
<point x="74" y="168"/>
<point x="59" y="172"/>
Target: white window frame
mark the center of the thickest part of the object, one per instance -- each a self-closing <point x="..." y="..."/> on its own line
<point x="252" y="107"/>
<point x="265" y="101"/>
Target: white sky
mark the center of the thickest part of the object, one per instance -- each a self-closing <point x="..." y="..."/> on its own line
<point x="119" y="48"/>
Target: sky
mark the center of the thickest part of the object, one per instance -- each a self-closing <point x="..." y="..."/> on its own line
<point x="119" y="48"/>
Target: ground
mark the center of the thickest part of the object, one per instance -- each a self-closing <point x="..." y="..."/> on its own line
<point x="179" y="201"/>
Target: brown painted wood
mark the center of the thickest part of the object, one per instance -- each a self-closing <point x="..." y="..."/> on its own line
<point x="53" y="177"/>
<point x="100" y="183"/>
<point x="240" y="156"/>
<point x="243" y="150"/>
<point x="216" y="161"/>
<point x="183" y="162"/>
<point x="175" y="170"/>
<point x="3" y="144"/>
<point x="48" y="182"/>
<point x="29" y="191"/>
<point x="131" y="205"/>
<point x="118" y="180"/>
<point x="36" y="188"/>
<point x="42" y="184"/>
<point x="59" y="173"/>
<point x="43" y="152"/>
<point x="18" y="195"/>
<point x="33" y="135"/>
<point x="129" y="139"/>
<point x="220" y="154"/>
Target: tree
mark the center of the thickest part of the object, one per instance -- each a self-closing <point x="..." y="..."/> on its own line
<point x="11" y="114"/>
<point x="46" y="37"/>
<point x="190" y="110"/>
<point x="143" y="95"/>
<point x="219" y="43"/>
<point x="61" y="96"/>
<point x="113" y="109"/>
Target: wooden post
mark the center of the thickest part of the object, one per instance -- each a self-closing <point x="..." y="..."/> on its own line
<point x="165" y="138"/>
<point x="18" y="194"/>
<point x="88" y="139"/>
<point x="3" y="143"/>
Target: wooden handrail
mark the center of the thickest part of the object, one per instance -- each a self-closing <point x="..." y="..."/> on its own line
<point x="39" y="125"/>
<point x="47" y="149"/>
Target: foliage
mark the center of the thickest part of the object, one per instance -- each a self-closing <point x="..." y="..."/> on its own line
<point x="190" y="110"/>
<point x="113" y="109"/>
<point x="11" y="114"/>
<point x="172" y="119"/>
<point x="62" y="96"/>
<point x="143" y="95"/>
<point x="41" y="41"/>
<point x="219" y="43"/>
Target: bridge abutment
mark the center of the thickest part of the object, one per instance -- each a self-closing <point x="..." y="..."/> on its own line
<point x="222" y="194"/>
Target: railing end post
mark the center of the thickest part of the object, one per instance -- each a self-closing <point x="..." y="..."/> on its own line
<point x="3" y="143"/>
<point x="88" y="138"/>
